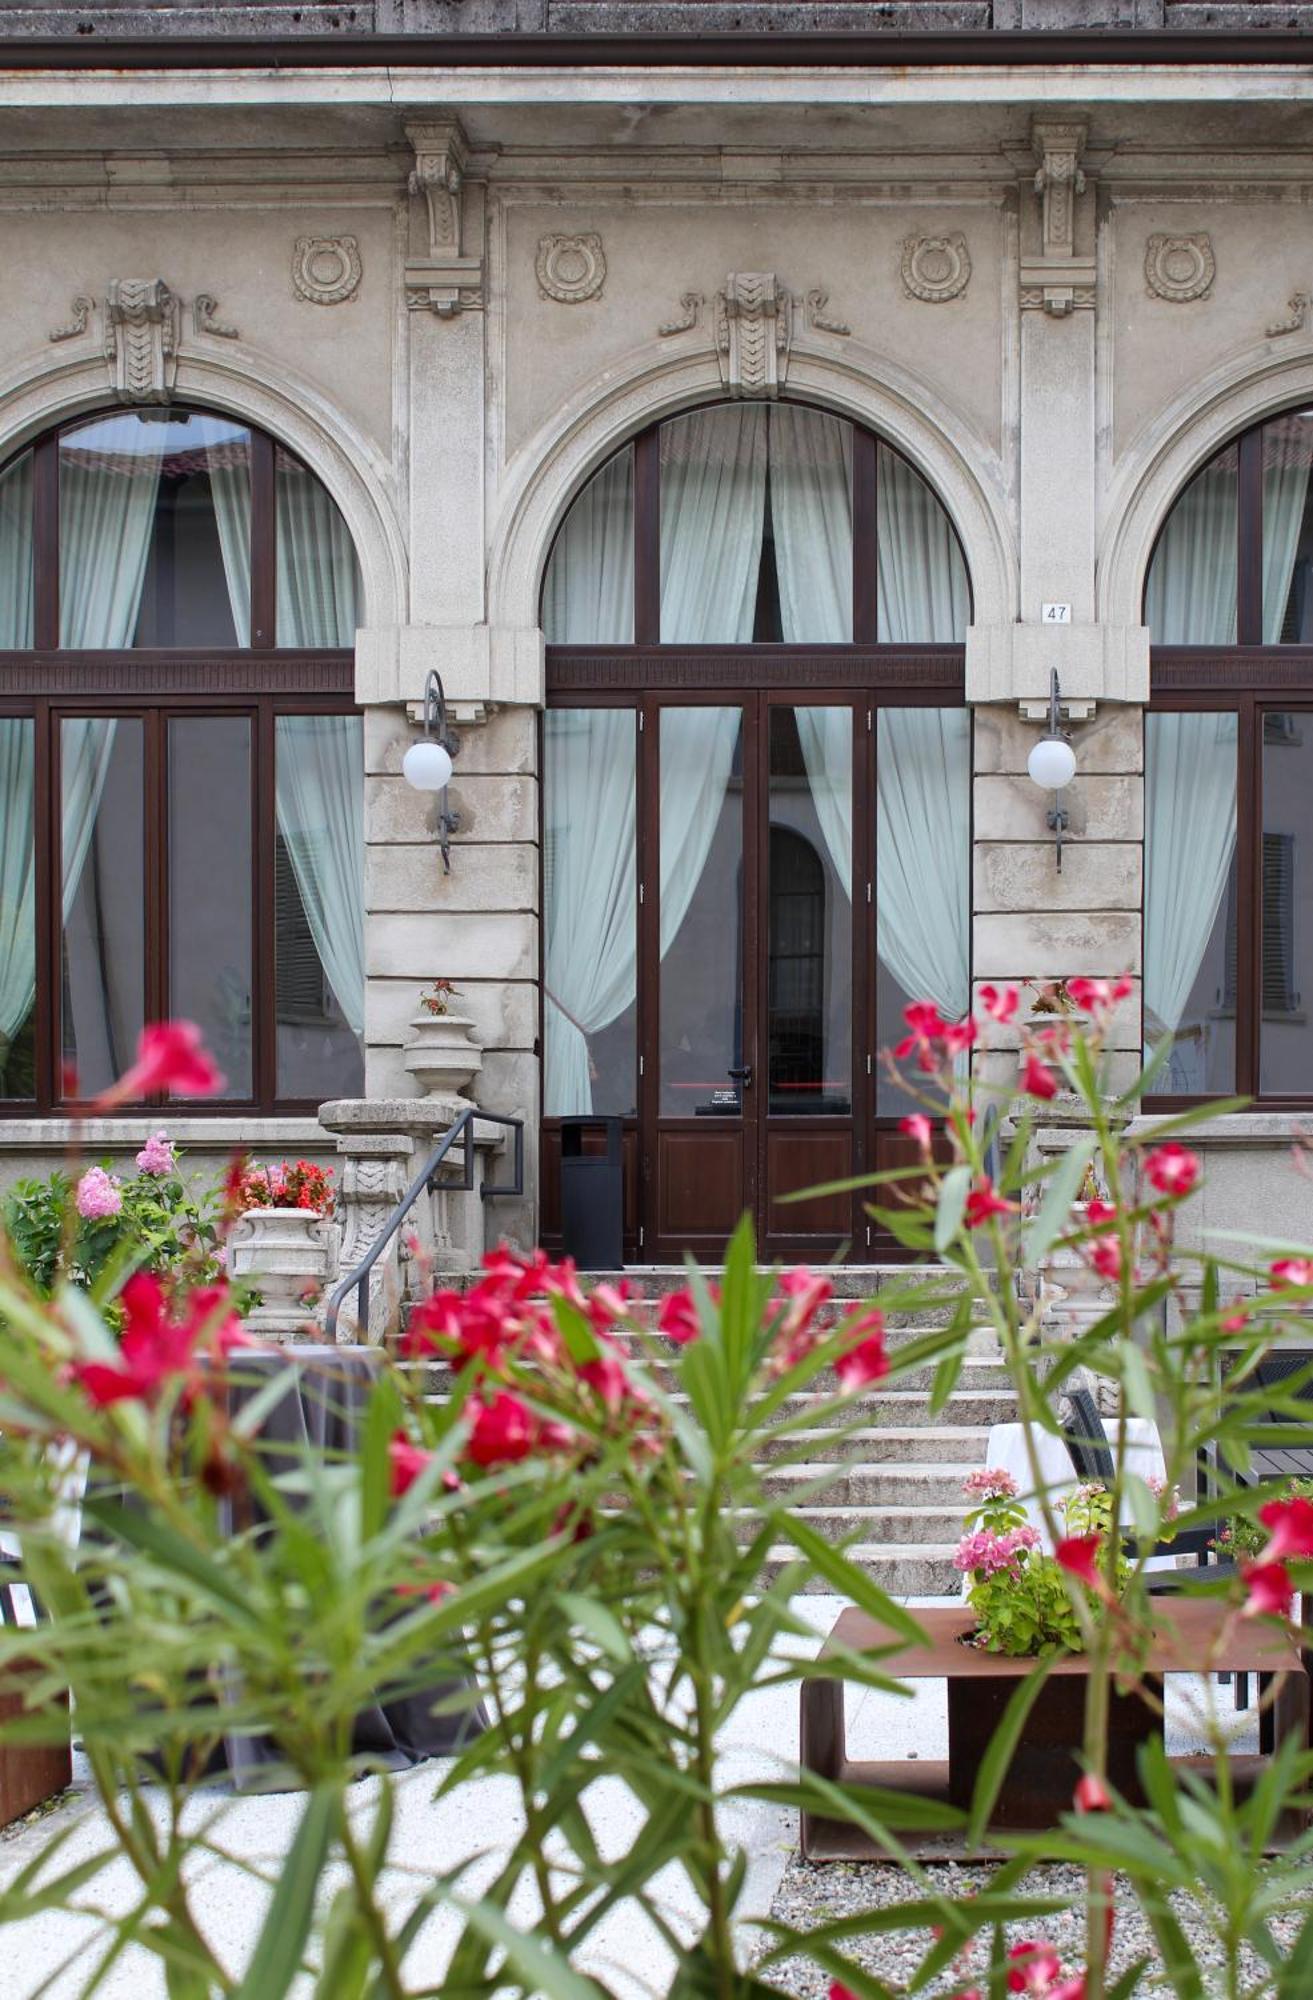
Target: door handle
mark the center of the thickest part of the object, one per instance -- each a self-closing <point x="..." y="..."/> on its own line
<point x="743" y="1076"/>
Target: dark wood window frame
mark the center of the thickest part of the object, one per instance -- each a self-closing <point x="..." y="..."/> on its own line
<point x="869" y="673"/>
<point x="261" y="682"/>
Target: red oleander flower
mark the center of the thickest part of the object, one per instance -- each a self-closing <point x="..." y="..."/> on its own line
<point x="1092" y="1795"/>
<point x="1000" y="1002"/>
<point x="171" y="1056"/>
<point x="958" y="1036"/>
<point x="1290" y="1529"/>
<point x="927" y="1027"/>
<point x="1104" y="1255"/>
<point x="1037" y="1080"/>
<point x="436" y="1593"/>
<point x="1288" y="1273"/>
<point x="1099" y="996"/>
<point x="1172" y="1168"/>
<point x="607" y="1376"/>
<point x="678" y="1317"/>
<point x="1079" y="1555"/>
<point x="1033" y="1966"/>
<point x="1270" y="1590"/>
<point x="917" y="1126"/>
<point x="1098" y="1211"/>
<point x="406" y="1462"/>
<point x="504" y="1431"/>
<point x="866" y="1362"/>
<point x="838" y="1991"/>
<point x="157" y="1347"/>
<point x="982" y="1202"/>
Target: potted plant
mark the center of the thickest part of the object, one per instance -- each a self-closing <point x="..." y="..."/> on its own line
<point x="285" y="1244"/>
<point x="441" y="1053"/>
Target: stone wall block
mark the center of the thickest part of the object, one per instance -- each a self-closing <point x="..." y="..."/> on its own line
<point x="1014" y="809"/>
<point x="505" y="744"/>
<point x="1025" y="876"/>
<point x="457" y="945"/>
<point x="1123" y="1029"/>
<point x="491" y="809"/>
<point x="504" y="1011"/>
<point x="1056" y="944"/>
<point x="503" y="876"/>
<point x="1113" y="744"/>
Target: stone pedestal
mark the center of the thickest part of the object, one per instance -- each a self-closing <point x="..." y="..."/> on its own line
<point x="290" y="1256"/>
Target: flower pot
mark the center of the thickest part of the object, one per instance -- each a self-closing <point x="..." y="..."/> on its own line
<point x="290" y="1256"/>
<point x="442" y="1054"/>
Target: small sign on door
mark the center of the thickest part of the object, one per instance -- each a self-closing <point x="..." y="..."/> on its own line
<point x="1055" y="614"/>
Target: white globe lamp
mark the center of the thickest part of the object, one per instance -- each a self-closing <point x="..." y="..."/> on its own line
<point x="1052" y="763"/>
<point x="427" y="766"/>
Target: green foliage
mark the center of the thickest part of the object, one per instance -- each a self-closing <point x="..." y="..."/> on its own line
<point x="164" y="1225"/>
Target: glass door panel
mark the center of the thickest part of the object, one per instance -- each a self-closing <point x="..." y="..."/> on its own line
<point x="210" y="916"/>
<point x="102" y="784"/>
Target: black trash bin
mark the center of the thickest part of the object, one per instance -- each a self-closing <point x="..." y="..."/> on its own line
<point x="593" y="1195"/>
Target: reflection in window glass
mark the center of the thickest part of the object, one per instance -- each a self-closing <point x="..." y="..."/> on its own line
<point x="590" y="910"/>
<point x="922" y="868"/>
<point x="319" y="889"/>
<point x="319" y="592"/>
<point x="1190" y="889"/>
<point x="588" y="595"/>
<point x="154" y="532"/>
<point x="809" y="977"/>
<point x="922" y="594"/>
<point x="17" y="909"/>
<point x="701" y="863"/>
<point x="16" y="553"/>
<point x="104" y="944"/>
<point x="1287" y="530"/>
<point x="1286" y="930"/>
<point x="209" y="905"/>
<point x="1190" y="596"/>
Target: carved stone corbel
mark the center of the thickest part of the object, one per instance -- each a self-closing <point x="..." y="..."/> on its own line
<point x="448" y="279"/>
<point x="1058" y="281"/>
<point x="754" y="331"/>
<point x="141" y="339"/>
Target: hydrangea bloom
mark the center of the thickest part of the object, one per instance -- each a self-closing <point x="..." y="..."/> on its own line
<point x="156" y="1156"/>
<point x="98" y="1195"/>
<point x="987" y="1554"/>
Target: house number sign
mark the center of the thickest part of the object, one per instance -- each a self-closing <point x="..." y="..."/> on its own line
<point x="1055" y="614"/>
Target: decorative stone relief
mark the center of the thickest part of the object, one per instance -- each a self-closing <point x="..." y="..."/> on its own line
<point x="447" y="280"/>
<point x="1298" y="319"/>
<point x="204" y="307"/>
<point x="375" y="1169"/>
<point x="571" y="269"/>
<point x="690" y="306"/>
<point x="141" y="339"/>
<point x="1179" y="268"/>
<point x="82" y="305"/>
<point x="1058" y="281"/>
<point x="818" y="318"/>
<point x="936" y="268"/>
<point x="326" y="270"/>
<point x="754" y="328"/>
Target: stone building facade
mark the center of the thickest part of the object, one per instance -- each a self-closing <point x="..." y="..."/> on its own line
<point x="454" y="282"/>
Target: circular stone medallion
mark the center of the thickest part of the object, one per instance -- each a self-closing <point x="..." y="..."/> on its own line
<point x="1179" y="268"/>
<point x="936" y="268"/>
<point x="570" y="269"/>
<point x="326" y="269"/>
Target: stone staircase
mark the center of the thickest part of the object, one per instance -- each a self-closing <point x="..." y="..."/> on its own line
<point x="895" y="1492"/>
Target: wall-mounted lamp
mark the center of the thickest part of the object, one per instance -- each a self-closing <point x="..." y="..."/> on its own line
<point x="1052" y="764"/>
<point x="427" y="765"/>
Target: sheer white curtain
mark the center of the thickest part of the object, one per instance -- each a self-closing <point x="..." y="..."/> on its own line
<point x="697" y="756"/>
<point x="1286" y="447"/>
<point x="16" y="553"/>
<point x="1190" y="596"/>
<point x="17" y="762"/>
<point x="923" y="853"/>
<point x="588" y="596"/>
<point x="230" y="489"/>
<point x="590" y="892"/>
<point x="318" y="575"/>
<point x="320" y="799"/>
<point x="922" y="593"/>
<point x="713" y="492"/>
<point x="1189" y="841"/>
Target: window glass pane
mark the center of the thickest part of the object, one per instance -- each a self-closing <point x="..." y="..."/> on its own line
<point x="154" y="531"/>
<point x="319" y="593"/>
<point x="588" y="595"/>
<point x="922" y="870"/>
<point x="16" y="552"/>
<point x="1190" y="597"/>
<point x="102" y="777"/>
<point x="17" y="909"/>
<point x="809" y="529"/>
<point x="1190" y="910"/>
<point x="1287" y="530"/>
<point x="713" y="496"/>
<point x="210" y="887"/>
<point x="809" y="979"/>
<point x="701" y="911"/>
<point x="922" y="593"/>
<point x="591" y="911"/>
<point x="319" y="875"/>
<point x="1286" y="928"/>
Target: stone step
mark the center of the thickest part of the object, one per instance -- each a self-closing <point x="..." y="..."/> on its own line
<point x="882" y="1526"/>
<point x="969" y="1409"/>
<point x="905" y="1486"/>
<point x="912" y="1569"/>
<point x="944" y="1445"/>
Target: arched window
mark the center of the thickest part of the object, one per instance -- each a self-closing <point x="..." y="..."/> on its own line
<point x="1228" y="929"/>
<point x="756" y="814"/>
<point x="181" y="766"/>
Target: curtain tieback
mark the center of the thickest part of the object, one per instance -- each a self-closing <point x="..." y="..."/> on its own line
<point x="549" y="995"/>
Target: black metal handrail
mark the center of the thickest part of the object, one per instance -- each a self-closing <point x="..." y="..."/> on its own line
<point x="427" y="1177"/>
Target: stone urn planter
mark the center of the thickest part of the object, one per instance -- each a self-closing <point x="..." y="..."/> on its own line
<point x="442" y="1054"/>
<point x="1073" y="1295"/>
<point x="290" y="1256"/>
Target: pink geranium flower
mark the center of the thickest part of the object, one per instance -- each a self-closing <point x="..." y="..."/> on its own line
<point x="98" y="1195"/>
<point x="990" y="1482"/>
<point x="1172" y="1168"/>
